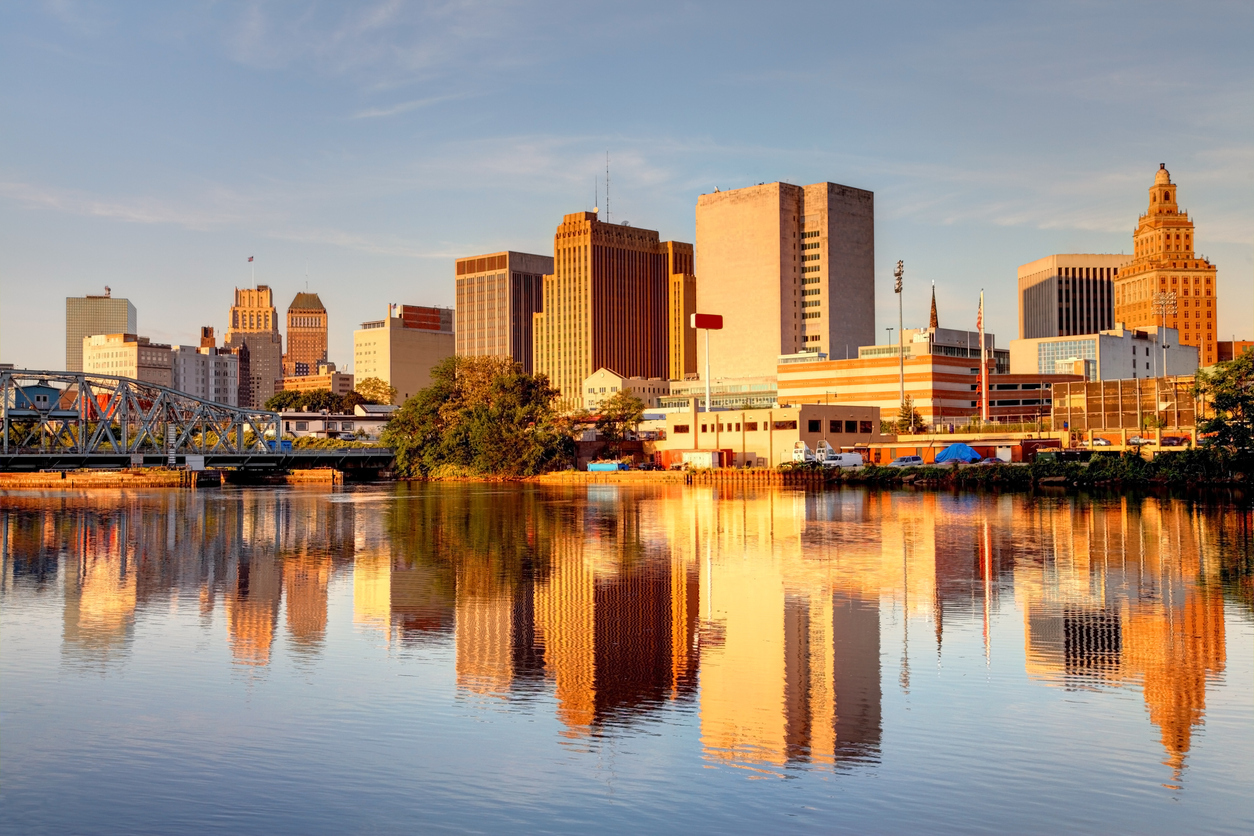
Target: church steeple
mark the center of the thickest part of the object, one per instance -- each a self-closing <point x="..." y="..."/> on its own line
<point x="933" y="322"/>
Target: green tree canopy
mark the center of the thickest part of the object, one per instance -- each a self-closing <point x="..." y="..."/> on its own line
<point x="1228" y="391"/>
<point x="619" y="413"/>
<point x="482" y="414"/>
<point x="313" y="400"/>
<point x="908" y="418"/>
<point x="375" y="390"/>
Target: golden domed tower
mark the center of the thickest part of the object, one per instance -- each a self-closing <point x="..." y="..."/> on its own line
<point x="1163" y="261"/>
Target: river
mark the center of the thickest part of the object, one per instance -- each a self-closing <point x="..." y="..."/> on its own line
<point x="483" y="658"/>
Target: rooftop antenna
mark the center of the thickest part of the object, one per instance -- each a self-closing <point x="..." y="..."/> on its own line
<point x="596" y="196"/>
<point x="607" y="186"/>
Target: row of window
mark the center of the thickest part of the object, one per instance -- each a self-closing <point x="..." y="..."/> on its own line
<point x="813" y="425"/>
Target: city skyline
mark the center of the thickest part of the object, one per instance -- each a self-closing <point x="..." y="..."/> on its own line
<point x="352" y="151"/>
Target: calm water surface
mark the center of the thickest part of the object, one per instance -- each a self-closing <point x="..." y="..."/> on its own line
<point x="461" y="658"/>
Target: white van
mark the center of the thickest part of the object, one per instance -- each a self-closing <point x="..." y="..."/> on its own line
<point x="843" y="460"/>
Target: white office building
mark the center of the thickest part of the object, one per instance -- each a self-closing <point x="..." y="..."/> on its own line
<point x="1118" y="354"/>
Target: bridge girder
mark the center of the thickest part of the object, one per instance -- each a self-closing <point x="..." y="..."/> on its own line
<point x="49" y="412"/>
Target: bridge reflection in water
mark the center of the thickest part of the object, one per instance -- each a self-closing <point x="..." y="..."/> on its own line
<point x="775" y="616"/>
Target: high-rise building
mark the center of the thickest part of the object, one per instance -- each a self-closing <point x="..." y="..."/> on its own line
<point x="86" y="316"/>
<point x="255" y="323"/>
<point x="497" y="295"/>
<point x="791" y="269"/>
<point x="402" y="349"/>
<point x="306" y="335"/>
<point x="1163" y="262"/>
<point x="1066" y="295"/>
<point x="205" y="371"/>
<point x="127" y="355"/>
<point x="605" y="305"/>
<point x="681" y="305"/>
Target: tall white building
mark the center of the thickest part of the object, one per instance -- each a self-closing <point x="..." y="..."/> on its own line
<point x="206" y="373"/>
<point x="791" y="269"/>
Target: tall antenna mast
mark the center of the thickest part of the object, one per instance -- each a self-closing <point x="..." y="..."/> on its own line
<point x="607" y="186"/>
<point x="596" y="195"/>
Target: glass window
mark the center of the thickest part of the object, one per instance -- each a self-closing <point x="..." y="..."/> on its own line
<point x="302" y="425"/>
<point x="785" y="425"/>
<point x="865" y="427"/>
<point x="681" y="428"/>
<point x="751" y="426"/>
<point x="814" y="426"/>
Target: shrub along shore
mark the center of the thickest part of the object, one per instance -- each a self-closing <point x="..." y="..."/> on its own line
<point x="1182" y="468"/>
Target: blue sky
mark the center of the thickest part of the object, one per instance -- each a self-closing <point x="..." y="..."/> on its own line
<point x="154" y="147"/>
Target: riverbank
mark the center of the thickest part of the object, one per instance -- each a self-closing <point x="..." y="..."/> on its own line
<point x="149" y="478"/>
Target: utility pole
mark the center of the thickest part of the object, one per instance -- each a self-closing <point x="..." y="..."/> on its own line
<point x="901" y="334"/>
<point x="1164" y="303"/>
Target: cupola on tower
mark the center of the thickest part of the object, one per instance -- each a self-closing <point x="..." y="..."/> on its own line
<point x="1164" y="262"/>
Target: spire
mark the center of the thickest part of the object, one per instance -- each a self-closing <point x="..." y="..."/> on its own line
<point x="934" y="322"/>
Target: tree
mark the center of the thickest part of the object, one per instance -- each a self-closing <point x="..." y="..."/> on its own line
<point x="481" y="414"/>
<point x="288" y="400"/>
<point x="375" y="390"/>
<point x="1228" y="392"/>
<point x="619" y="412"/>
<point x="908" y="418"/>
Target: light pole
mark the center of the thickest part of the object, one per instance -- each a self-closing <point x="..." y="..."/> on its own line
<point x="1164" y="303"/>
<point x="901" y="334"/>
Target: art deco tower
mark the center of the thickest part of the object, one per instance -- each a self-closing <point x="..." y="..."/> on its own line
<point x="306" y="335"/>
<point x="1164" y="262"/>
<point x="255" y="324"/>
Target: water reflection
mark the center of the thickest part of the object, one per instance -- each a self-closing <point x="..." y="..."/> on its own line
<point x="780" y="618"/>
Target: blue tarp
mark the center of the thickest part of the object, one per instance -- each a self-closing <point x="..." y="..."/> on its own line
<point x="957" y="453"/>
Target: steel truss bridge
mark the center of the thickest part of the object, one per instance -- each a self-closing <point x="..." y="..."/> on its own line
<point x="62" y="420"/>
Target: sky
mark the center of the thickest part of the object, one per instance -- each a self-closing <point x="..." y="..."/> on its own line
<point x="358" y="149"/>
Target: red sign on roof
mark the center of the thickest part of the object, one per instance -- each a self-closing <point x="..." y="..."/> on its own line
<point x="708" y="321"/>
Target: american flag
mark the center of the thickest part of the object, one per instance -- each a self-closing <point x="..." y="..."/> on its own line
<point x="250" y="258"/>
<point x="979" y="317"/>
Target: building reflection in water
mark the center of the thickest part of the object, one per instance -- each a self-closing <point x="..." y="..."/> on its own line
<point x="613" y="601"/>
<point x="1128" y="594"/>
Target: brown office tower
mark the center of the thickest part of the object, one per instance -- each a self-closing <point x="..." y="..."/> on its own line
<point x="1163" y="262"/>
<point x="497" y="295"/>
<point x="306" y="335"/>
<point x="790" y="268"/>
<point x="681" y="304"/>
<point x="605" y="305"/>
<point x="1068" y="295"/>
<point x="255" y="323"/>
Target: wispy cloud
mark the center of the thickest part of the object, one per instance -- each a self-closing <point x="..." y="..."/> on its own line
<point x="405" y="107"/>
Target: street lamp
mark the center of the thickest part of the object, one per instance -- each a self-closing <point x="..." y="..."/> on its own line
<point x="1164" y="304"/>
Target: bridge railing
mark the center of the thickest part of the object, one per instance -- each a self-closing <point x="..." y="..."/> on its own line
<point x="76" y="412"/>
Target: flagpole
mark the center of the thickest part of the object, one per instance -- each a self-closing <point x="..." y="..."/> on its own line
<point x="983" y="367"/>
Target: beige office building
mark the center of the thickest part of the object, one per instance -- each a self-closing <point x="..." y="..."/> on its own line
<point x="324" y="377"/>
<point x="86" y="316"/>
<point x="497" y="295"/>
<point x="255" y="323"/>
<point x="402" y="349"/>
<point x="127" y="355"/>
<point x="790" y="268"/>
<point x="206" y="372"/>
<point x="1068" y="295"/>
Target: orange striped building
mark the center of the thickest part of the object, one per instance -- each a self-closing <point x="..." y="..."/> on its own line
<point x="945" y="390"/>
